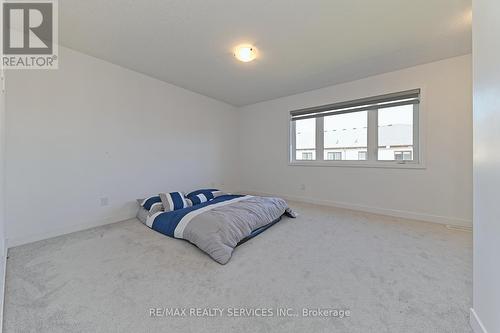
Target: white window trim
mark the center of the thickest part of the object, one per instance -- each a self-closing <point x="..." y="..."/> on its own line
<point x="419" y="137"/>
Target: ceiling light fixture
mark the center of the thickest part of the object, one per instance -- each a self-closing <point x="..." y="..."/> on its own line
<point x="245" y="53"/>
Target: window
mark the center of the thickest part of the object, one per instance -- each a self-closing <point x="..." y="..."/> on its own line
<point x="403" y="155"/>
<point x="305" y="138"/>
<point x="308" y="156"/>
<point x="395" y="132"/>
<point x="334" y="155"/>
<point x="346" y="132"/>
<point x="380" y="130"/>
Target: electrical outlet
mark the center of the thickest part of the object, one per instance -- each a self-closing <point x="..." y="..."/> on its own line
<point x="302" y="187"/>
<point x="104" y="201"/>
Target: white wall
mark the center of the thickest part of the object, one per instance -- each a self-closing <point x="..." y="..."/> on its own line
<point x="440" y="193"/>
<point x="2" y="159"/>
<point x="93" y="129"/>
<point x="2" y="169"/>
<point x="486" y="52"/>
<point x="3" y="253"/>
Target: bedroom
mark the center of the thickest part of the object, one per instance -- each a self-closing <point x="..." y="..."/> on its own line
<point x="330" y="165"/>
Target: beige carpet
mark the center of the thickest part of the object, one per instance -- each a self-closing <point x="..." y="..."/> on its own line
<point x="393" y="275"/>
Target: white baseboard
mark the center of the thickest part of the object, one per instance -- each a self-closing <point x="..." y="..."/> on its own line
<point x="452" y="221"/>
<point x="11" y="242"/>
<point x="475" y="322"/>
<point x="463" y="224"/>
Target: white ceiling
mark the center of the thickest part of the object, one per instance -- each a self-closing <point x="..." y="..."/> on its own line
<point x="303" y="44"/>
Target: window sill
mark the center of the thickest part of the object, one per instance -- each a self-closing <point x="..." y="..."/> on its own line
<point x="354" y="164"/>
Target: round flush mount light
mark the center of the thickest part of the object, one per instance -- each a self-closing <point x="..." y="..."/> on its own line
<point x="245" y="52"/>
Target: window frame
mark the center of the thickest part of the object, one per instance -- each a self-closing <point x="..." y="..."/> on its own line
<point x="372" y="150"/>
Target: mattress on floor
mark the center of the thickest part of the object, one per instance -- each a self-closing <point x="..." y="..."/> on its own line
<point x="142" y="214"/>
<point x="218" y="226"/>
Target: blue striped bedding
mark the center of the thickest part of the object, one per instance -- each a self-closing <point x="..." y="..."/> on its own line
<point x="219" y="225"/>
<point x="166" y="222"/>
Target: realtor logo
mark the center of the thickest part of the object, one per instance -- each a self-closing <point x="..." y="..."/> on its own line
<point x="29" y="35"/>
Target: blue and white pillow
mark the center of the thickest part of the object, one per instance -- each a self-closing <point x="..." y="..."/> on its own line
<point x="200" y="196"/>
<point x="148" y="203"/>
<point x="152" y="204"/>
<point x="173" y="201"/>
